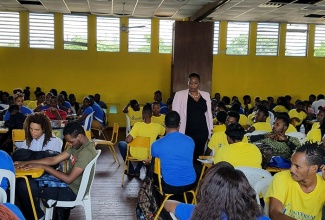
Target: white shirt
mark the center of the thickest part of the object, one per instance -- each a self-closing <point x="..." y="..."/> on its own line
<point x="317" y="103"/>
<point x="54" y="144"/>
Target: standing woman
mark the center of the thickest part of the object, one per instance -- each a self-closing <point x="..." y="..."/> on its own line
<point x="194" y="108"/>
<point x="19" y="100"/>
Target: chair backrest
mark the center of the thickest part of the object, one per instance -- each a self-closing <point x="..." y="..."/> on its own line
<point x="299" y="135"/>
<point x="254" y="174"/>
<point x="88" y="134"/>
<point x="18" y="135"/>
<point x="140" y="142"/>
<point x="88" y="121"/>
<point x="128" y="125"/>
<point x="12" y="182"/>
<point x="314" y="135"/>
<point x="115" y="133"/>
<point x="86" y="178"/>
<point x="3" y="196"/>
<point x="261" y="187"/>
<point x="255" y="133"/>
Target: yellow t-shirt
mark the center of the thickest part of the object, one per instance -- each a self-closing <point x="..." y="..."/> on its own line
<point x="297" y="204"/>
<point x="32" y="105"/>
<point x="240" y="154"/>
<point x="135" y="116"/>
<point x="217" y="128"/>
<point x="314" y="135"/>
<point x="251" y="122"/>
<point x="316" y="125"/>
<point x="152" y="130"/>
<point x="248" y="105"/>
<point x="219" y="139"/>
<point x="160" y="119"/>
<point x="291" y="128"/>
<point x="262" y="126"/>
<point x="294" y="114"/>
<point x="280" y="108"/>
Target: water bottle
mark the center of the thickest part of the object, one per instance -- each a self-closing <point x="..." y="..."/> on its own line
<point x="302" y="129"/>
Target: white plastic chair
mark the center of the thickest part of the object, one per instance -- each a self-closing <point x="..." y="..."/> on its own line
<point x="299" y="135"/>
<point x="173" y="216"/>
<point x="128" y="125"/>
<point x="3" y="196"/>
<point x="82" y="198"/>
<point x="255" y="133"/>
<point x="261" y="188"/>
<point x="88" y="121"/>
<point x="12" y="183"/>
<point x="254" y="175"/>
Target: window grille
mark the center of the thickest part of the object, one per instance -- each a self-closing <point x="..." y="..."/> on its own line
<point x="267" y="41"/>
<point x="296" y="40"/>
<point x="75" y="31"/>
<point x="165" y="36"/>
<point x="9" y="29"/>
<point x="108" y="34"/>
<point x="237" y="38"/>
<point x="41" y="31"/>
<point x="139" y="35"/>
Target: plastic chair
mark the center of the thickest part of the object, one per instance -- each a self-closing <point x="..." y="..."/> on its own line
<point x="157" y="170"/>
<point x="254" y="174"/>
<point x="173" y="216"/>
<point x="3" y="196"/>
<point x="110" y="143"/>
<point x="138" y="142"/>
<point x="18" y="135"/>
<point x="314" y="135"/>
<point x="261" y="188"/>
<point x="12" y="183"/>
<point x="299" y="135"/>
<point x="128" y="125"/>
<point x="255" y="133"/>
<point x="83" y="197"/>
<point x="88" y="121"/>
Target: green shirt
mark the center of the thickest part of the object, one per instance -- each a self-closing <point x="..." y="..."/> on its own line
<point x="80" y="158"/>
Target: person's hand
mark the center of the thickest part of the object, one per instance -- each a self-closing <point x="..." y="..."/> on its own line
<point x="281" y="137"/>
<point x="33" y="166"/>
<point x="296" y="119"/>
<point x="146" y="161"/>
<point x="20" y="164"/>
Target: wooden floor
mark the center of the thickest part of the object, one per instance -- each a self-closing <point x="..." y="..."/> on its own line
<point x="109" y="199"/>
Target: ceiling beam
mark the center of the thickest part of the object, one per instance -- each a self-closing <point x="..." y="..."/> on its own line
<point x="207" y="9"/>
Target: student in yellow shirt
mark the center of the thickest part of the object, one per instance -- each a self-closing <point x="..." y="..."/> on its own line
<point x="260" y="120"/>
<point x="298" y="115"/>
<point x="134" y="113"/>
<point x="156" y="116"/>
<point x="299" y="192"/>
<point x="320" y="118"/>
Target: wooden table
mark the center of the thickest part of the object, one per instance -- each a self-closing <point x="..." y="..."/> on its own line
<point x="34" y="173"/>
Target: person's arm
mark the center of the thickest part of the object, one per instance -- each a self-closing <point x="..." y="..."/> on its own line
<point x="38" y="108"/>
<point x="104" y="105"/>
<point x="276" y="210"/>
<point x="56" y="112"/>
<point x="129" y="139"/>
<point x="170" y="205"/>
<point x="251" y="129"/>
<point x="125" y="109"/>
<point x="254" y="138"/>
<point x="50" y="161"/>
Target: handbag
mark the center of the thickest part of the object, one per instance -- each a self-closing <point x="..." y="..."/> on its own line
<point x="279" y="162"/>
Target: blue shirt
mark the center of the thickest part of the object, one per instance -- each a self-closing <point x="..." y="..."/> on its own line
<point x="5" y="164"/>
<point x="24" y="110"/>
<point x="67" y="104"/>
<point x="184" y="212"/>
<point x="99" y="113"/>
<point x="175" y="152"/>
<point x="86" y="112"/>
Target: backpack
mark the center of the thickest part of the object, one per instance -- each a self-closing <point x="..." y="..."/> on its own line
<point x="147" y="204"/>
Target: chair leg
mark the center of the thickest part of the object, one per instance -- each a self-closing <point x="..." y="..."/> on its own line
<point x="125" y="167"/>
<point x="114" y="155"/>
<point x="49" y="214"/>
<point x="162" y="206"/>
<point x="87" y="207"/>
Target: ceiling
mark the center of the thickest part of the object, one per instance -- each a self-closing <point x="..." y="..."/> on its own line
<point x="297" y="11"/>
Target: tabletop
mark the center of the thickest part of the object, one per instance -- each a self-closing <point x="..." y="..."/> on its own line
<point x="35" y="173"/>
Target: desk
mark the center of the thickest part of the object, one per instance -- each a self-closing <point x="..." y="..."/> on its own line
<point x="34" y="173"/>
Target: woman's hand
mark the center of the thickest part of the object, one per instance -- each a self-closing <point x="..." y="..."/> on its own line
<point x="20" y="164"/>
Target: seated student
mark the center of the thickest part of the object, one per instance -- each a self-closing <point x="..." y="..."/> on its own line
<point x="54" y="113"/>
<point x="99" y="119"/>
<point x="247" y="104"/>
<point x="40" y="98"/>
<point x="143" y="129"/>
<point x="281" y="144"/>
<point x="158" y="98"/>
<point x="282" y="105"/>
<point x="84" y="110"/>
<point x="224" y="193"/>
<point x="99" y="102"/>
<point x="260" y="120"/>
<point x="74" y="104"/>
<point x="44" y="105"/>
<point x="214" y="104"/>
<point x="238" y="153"/>
<point x="156" y="116"/>
<point x="299" y="192"/>
<point x="175" y="151"/>
<point x="64" y="105"/>
<point x="134" y="113"/>
<point x="221" y="118"/>
<point x="219" y="139"/>
<point x="320" y="118"/>
<point x="18" y="100"/>
<point x="9" y="211"/>
<point x="242" y="118"/>
<point x="168" y="107"/>
<point x="298" y="115"/>
<point x="79" y="154"/>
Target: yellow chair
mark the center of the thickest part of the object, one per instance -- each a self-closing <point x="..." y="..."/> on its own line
<point x="138" y="142"/>
<point x="18" y="135"/>
<point x="109" y="143"/>
<point x="157" y="170"/>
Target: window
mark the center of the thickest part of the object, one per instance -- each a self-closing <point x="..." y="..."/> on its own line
<point x="9" y="29"/>
<point x="237" y="38"/>
<point x="267" y="39"/>
<point x="165" y="36"/>
<point x="216" y="38"/>
<point x="108" y="34"/>
<point x="296" y="40"/>
<point x="41" y="30"/>
<point x="139" y="35"/>
<point x="319" y="47"/>
<point x="75" y="31"/>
